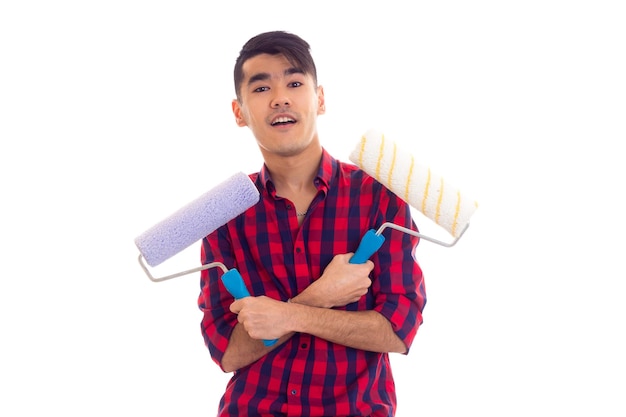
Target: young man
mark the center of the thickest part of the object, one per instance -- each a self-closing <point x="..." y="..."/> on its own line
<point x="335" y="322"/>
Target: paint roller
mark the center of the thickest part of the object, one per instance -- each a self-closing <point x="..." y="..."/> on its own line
<point x="193" y="222"/>
<point x="414" y="183"/>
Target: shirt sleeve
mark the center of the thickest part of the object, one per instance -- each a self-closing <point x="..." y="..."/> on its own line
<point x="398" y="281"/>
<point x="214" y="301"/>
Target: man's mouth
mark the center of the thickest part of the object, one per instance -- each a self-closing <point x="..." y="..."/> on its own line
<point x="280" y="121"/>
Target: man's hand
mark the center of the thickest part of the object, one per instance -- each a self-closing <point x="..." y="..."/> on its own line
<point x="341" y="283"/>
<point x="261" y="317"/>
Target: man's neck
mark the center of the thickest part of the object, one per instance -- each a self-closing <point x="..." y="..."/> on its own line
<point x="296" y="173"/>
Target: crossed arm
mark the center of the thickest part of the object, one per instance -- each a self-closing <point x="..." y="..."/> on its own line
<point x="311" y="312"/>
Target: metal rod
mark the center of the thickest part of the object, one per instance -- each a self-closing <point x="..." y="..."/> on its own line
<point x="421" y="236"/>
<point x="179" y="274"/>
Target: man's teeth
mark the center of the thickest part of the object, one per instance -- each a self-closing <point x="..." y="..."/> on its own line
<point x="283" y="120"/>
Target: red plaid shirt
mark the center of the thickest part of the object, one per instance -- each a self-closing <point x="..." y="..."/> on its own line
<point x="309" y="376"/>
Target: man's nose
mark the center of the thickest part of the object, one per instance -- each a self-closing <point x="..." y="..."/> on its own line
<point x="280" y="100"/>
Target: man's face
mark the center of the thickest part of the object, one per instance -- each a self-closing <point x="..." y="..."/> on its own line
<point x="279" y="103"/>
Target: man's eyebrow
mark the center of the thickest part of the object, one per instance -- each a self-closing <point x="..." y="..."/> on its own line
<point x="294" y="70"/>
<point x="263" y="76"/>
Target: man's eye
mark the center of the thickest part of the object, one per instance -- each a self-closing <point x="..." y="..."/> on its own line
<point x="260" y="89"/>
<point x="295" y="84"/>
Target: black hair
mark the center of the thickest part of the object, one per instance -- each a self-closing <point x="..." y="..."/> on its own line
<point x="295" y="49"/>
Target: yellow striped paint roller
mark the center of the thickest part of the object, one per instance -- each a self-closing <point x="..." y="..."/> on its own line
<point x="414" y="183"/>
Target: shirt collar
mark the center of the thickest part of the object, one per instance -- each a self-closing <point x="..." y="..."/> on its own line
<point x="327" y="168"/>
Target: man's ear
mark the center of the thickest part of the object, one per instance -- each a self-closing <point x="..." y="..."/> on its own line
<point x="239" y="119"/>
<point x="321" y="102"/>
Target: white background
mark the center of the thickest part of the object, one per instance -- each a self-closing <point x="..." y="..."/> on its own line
<point x="114" y="114"/>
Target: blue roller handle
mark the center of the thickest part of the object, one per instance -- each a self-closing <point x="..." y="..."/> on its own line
<point x="370" y="243"/>
<point x="237" y="288"/>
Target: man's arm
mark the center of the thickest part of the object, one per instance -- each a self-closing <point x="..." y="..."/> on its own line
<point x="364" y="330"/>
<point x="310" y="312"/>
<point x="243" y="350"/>
<point x="264" y="318"/>
<point x="342" y="284"/>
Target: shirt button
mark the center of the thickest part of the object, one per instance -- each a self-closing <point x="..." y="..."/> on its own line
<point x="294" y="392"/>
<point x="298" y="250"/>
<point x="304" y="346"/>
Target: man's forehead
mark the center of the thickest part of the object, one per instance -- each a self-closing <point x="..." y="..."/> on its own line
<point x="265" y="66"/>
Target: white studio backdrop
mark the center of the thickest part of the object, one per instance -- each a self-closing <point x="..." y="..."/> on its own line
<point x="114" y="114"/>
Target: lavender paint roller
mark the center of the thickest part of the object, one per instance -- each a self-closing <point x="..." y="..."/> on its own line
<point x="417" y="185"/>
<point x="193" y="222"/>
<point x="197" y="219"/>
